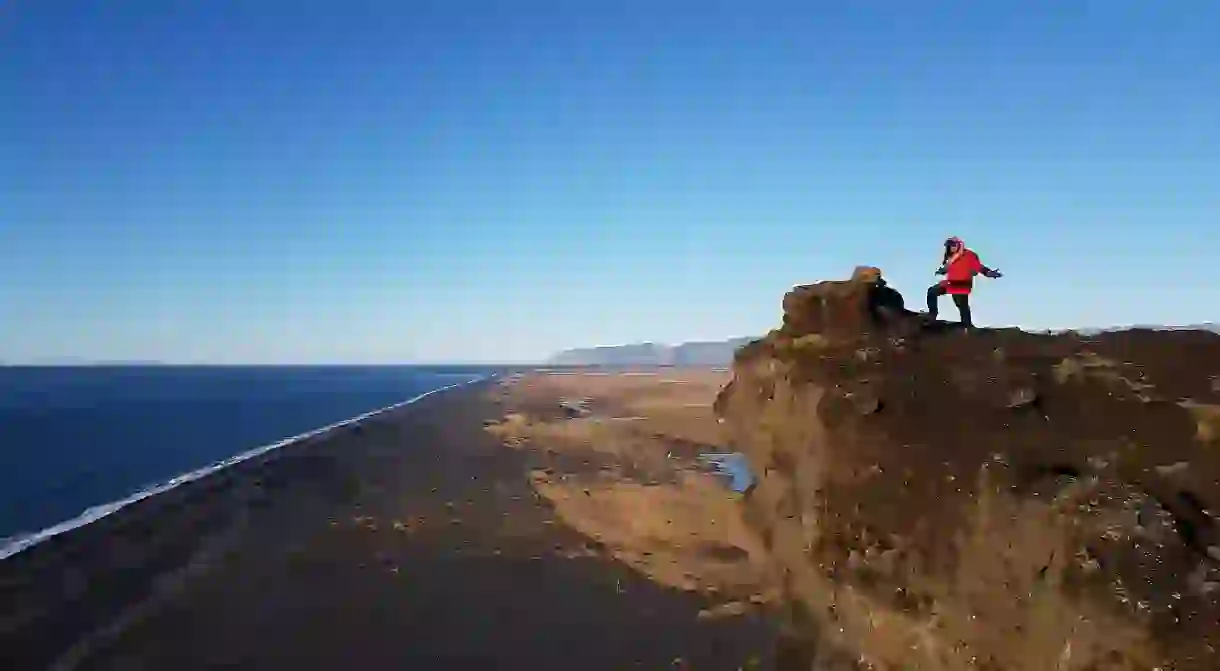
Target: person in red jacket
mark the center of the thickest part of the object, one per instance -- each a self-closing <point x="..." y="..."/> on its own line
<point x="959" y="267"/>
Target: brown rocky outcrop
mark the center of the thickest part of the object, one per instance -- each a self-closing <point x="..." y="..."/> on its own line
<point x="939" y="499"/>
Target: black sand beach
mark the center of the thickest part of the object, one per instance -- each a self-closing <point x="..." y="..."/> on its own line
<point x="412" y="540"/>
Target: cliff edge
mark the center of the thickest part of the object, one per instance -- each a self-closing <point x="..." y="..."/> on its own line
<point x="938" y="499"/>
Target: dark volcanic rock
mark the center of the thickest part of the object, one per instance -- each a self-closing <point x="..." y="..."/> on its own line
<point x="862" y="304"/>
<point x="994" y="499"/>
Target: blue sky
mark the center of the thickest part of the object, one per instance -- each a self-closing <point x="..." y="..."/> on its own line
<point x="275" y="181"/>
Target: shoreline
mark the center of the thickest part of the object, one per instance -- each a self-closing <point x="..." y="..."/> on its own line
<point x="15" y="544"/>
<point x="413" y="539"/>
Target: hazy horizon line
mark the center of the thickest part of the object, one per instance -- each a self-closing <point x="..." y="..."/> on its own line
<point x="68" y="362"/>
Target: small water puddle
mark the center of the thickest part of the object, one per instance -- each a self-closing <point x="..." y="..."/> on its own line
<point x="734" y="466"/>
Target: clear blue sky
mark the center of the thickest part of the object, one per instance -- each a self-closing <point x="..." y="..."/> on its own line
<point x="276" y="181"/>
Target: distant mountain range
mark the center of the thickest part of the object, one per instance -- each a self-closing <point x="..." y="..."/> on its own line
<point x="705" y="353"/>
<point x="720" y="352"/>
<point x="1206" y="326"/>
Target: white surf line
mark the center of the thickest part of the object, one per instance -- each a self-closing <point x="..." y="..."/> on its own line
<point x="14" y="545"/>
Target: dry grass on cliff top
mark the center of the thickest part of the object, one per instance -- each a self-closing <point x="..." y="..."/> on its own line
<point x="625" y="475"/>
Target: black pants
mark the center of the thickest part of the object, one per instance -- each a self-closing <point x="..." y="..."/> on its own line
<point x="962" y="301"/>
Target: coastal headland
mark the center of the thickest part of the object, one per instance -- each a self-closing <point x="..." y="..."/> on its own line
<point x="942" y="499"/>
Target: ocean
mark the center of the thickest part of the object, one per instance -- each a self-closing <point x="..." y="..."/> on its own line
<point x="73" y="439"/>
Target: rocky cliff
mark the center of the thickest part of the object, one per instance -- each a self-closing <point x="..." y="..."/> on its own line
<point x="939" y="499"/>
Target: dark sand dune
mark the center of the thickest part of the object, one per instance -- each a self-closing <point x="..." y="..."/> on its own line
<point x="411" y="541"/>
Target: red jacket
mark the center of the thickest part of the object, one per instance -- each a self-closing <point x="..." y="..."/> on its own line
<point x="960" y="272"/>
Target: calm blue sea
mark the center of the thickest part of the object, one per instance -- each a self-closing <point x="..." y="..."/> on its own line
<point x="72" y="438"/>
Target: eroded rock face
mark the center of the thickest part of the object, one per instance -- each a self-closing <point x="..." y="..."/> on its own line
<point x="847" y="308"/>
<point x="937" y="499"/>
